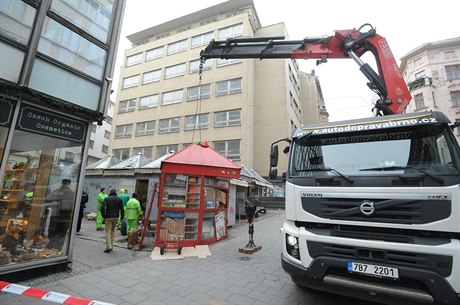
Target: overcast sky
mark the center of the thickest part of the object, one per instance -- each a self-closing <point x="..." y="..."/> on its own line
<point x="405" y="24"/>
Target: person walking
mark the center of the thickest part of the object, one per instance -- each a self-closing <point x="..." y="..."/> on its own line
<point x="83" y="201"/>
<point x="112" y="208"/>
<point x="133" y="212"/>
<point x="124" y="199"/>
<point x="99" y="220"/>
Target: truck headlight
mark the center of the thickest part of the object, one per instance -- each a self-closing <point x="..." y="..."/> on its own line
<point x="292" y="246"/>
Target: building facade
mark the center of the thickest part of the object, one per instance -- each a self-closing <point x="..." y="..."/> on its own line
<point x="238" y="106"/>
<point x="55" y="59"/>
<point x="432" y="72"/>
<point x="98" y="147"/>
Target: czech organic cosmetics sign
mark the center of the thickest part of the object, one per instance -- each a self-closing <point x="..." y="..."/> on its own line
<point x="35" y="120"/>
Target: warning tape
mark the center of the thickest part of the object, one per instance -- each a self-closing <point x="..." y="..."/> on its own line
<point x="50" y="296"/>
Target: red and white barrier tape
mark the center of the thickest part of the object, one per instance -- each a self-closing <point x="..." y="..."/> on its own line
<point x="46" y="295"/>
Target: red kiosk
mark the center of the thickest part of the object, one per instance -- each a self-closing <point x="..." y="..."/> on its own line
<point x="193" y="197"/>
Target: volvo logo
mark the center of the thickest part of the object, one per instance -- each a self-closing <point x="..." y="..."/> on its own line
<point x="367" y="208"/>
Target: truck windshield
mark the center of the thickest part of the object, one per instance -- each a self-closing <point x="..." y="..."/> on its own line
<point x="426" y="149"/>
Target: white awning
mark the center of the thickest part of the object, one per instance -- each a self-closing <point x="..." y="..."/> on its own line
<point x="239" y="182"/>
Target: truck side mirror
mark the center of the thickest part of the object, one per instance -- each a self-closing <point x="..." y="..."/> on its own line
<point x="273" y="174"/>
<point x="274" y="156"/>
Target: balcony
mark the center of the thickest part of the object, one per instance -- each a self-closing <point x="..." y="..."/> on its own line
<point x="420" y="82"/>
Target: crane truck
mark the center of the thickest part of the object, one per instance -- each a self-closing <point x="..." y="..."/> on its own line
<point x="372" y="205"/>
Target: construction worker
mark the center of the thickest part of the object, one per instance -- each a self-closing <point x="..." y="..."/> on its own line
<point x="99" y="220"/>
<point x="111" y="210"/>
<point x="133" y="212"/>
<point x="124" y="199"/>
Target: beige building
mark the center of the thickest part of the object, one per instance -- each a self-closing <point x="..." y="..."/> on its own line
<point x="432" y="72"/>
<point x="239" y="106"/>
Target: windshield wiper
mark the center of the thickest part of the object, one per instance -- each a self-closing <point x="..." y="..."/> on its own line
<point x="393" y="168"/>
<point x="325" y="169"/>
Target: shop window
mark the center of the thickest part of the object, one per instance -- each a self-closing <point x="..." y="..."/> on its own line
<point x="39" y="186"/>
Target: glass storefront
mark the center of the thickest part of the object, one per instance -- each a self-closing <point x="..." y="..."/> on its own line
<point x="39" y="185"/>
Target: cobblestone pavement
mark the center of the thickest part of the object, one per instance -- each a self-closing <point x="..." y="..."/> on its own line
<point x="227" y="277"/>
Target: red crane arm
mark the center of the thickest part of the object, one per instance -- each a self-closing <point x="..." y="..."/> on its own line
<point x="388" y="83"/>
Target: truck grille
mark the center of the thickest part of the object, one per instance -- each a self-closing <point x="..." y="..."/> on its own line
<point x="441" y="264"/>
<point x="404" y="211"/>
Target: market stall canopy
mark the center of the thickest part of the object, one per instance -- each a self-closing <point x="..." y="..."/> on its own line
<point x="248" y="176"/>
<point x="201" y="155"/>
<point x="126" y="167"/>
<point x="104" y="163"/>
<point x="153" y="167"/>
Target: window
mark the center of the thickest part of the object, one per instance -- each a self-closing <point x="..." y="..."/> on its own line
<point x="419" y="103"/>
<point x="195" y="66"/>
<point x="145" y="151"/>
<point x="227" y="118"/>
<point x="174" y="71"/>
<point x="231" y="31"/>
<point x="107" y="134"/>
<point x="24" y="15"/>
<point x="200" y="121"/>
<point x="201" y="40"/>
<point x="145" y="128"/>
<point x="225" y="62"/>
<point x="93" y="128"/>
<point x="123" y="131"/>
<point x="152" y="76"/>
<point x="453" y="72"/>
<point x="154" y="53"/>
<point x="130" y="81"/>
<point x="199" y="92"/>
<point x="127" y="106"/>
<point x="228" y="87"/>
<point x="455" y="96"/>
<point x="105" y="149"/>
<point x="231" y="149"/>
<point x="108" y="120"/>
<point x="177" y="47"/>
<point x="150" y="101"/>
<point x="91" y="144"/>
<point x="133" y="59"/>
<point x="172" y="97"/>
<point x="62" y="44"/>
<point x="169" y="125"/>
<point x="165" y="149"/>
<point x="122" y="153"/>
<point x="420" y="74"/>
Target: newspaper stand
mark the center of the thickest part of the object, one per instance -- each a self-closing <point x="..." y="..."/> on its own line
<point x="193" y="198"/>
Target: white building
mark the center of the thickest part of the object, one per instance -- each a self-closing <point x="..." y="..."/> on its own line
<point x="100" y="136"/>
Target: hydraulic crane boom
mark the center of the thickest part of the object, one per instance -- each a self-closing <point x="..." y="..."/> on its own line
<point x="388" y="83"/>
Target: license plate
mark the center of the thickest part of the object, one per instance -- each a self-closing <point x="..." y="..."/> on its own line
<point x="374" y="270"/>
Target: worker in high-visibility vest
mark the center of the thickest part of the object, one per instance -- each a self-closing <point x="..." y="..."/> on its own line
<point x="133" y="212"/>
<point x="99" y="220"/>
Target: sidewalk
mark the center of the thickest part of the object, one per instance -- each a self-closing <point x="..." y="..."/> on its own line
<point x="227" y="277"/>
